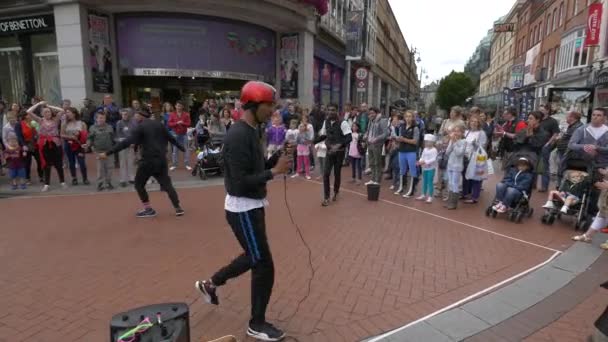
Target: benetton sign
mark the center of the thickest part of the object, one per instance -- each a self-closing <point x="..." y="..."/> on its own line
<point x="505" y="27"/>
<point x="35" y="23"/>
<point x="594" y="20"/>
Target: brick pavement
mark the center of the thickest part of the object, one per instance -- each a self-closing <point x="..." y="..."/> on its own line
<point x="378" y="266"/>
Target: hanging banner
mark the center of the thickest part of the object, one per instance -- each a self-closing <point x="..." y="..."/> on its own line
<point x="354" y="35"/>
<point x="508" y="98"/>
<point x="289" y="66"/>
<point x="100" y="52"/>
<point x="594" y="21"/>
<point x="532" y="62"/>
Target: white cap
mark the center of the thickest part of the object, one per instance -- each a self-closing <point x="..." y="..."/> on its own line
<point x="429" y="137"/>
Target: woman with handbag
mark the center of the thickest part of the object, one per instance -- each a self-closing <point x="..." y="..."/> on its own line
<point x="476" y="140"/>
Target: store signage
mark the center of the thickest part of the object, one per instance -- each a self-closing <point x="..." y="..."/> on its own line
<point x="505" y="27"/>
<point x="160" y="72"/>
<point x="532" y="62"/>
<point x="289" y="66"/>
<point x="594" y="20"/>
<point x="43" y="22"/>
<point x="517" y="76"/>
<point x="100" y="52"/>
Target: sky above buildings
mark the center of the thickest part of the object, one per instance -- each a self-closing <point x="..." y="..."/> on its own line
<point x="446" y="32"/>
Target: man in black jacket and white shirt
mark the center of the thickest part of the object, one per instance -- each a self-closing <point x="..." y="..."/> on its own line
<point x="337" y="135"/>
<point x="246" y="173"/>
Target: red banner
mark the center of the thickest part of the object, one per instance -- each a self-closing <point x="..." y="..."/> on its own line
<point x="594" y="20"/>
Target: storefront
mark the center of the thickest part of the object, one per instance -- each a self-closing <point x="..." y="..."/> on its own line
<point x="28" y="59"/>
<point x="328" y="75"/>
<point x="164" y="58"/>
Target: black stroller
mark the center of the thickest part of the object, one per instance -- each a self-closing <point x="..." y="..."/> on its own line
<point x="579" y="211"/>
<point x="522" y="207"/>
<point x="210" y="160"/>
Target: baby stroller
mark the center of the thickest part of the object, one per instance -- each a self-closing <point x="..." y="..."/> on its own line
<point x="578" y="177"/>
<point x="520" y="208"/>
<point x="209" y="157"/>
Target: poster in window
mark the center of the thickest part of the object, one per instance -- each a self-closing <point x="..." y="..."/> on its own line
<point x="326" y="84"/>
<point x="100" y="52"/>
<point x="315" y="80"/>
<point x="289" y="66"/>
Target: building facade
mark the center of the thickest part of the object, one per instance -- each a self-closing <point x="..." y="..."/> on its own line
<point x="160" y="51"/>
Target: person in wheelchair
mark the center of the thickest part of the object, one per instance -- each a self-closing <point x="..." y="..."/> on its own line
<point x="570" y="192"/>
<point x="511" y="189"/>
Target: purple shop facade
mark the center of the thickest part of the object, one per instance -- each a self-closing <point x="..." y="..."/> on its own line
<point x="151" y="45"/>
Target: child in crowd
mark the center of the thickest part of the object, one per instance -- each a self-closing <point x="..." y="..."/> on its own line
<point x="291" y="137"/>
<point x="15" y="159"/>
<point x="516" y="182"/>
<point x="321" y="150"/>
<point x="101" y="140"/>
<point x="126" y="157"/>
<point x="570" y="192"/>
<point x="601" y="219"/>
<point x="303" y="152"/>
<point x="455" y="153"/>
<point x="428" y="163"/>
<point x="275" y="135"/>
<point x="356" y="154"/>
<point x="442" y="162"/>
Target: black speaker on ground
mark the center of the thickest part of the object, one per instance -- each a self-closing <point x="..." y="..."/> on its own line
<point x="174" y="326"/>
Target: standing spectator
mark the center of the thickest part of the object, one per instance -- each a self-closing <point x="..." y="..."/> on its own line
<point x="475" y="138"/>
<point x="49" y="144"/>
<point x="303" y="152"/>
<point x="363" y="117"/>
<point x="126" y="157"/>
<point x="409" y="137"/>
<point x="74" y="134"/>
<point x="455" y="153"/>
<point x="179" y="121"/>
<point x="310" y="132"/>
<point x="289" y="114"/>
<point x="226" y="118"/>
<point x="166" y="114"/>
<point x="355" y="153"/>
<point x="112" y="117"/>
<point x="337" y="135"/>
<point x="87" y="112"/>
<point x="551" y="126"/>
<point x="317" y="118"/>
<point x="8" y="129"/>
<point x="508" y="131"/>
<point x="393" y="148"/>
<point x="455" y="120"/>
<point x="237" y="112"/>
<point x="321" y="152"/>
<point x="573" y="119"/>
<point x="27" y="134"/>
<point x="101" y="140"/>
<point x="15" y="158"/>
<point x="275" y="135"/>
<point x="428" y="163"/>
<point x="487" y="125"/>
<point x="376" y="137"/>
<point x="217" y="131"/>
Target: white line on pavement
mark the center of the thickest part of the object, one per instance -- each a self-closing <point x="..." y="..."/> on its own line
<point x="467" y="299"/>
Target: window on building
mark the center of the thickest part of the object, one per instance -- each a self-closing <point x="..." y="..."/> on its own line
<point x="530" y="39"/>
<point x="573" y="52"/>
<point x="561" y="14"/>
<point x="554" y="20"/>
<point x="540" y="30"/>
<point x="575" y="8"/>
<point x="544" y="60"/>
<point x="548" y="25"/>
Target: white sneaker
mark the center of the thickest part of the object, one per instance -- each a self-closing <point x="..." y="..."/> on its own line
<point x="188" y="168"/>
<point x="308" y="178"/>
<point x="549" y="205"/>
<point x="172" y="168"/>
<point x="564" y="210"/>
<point x="429" y="200"/>
<point x="392" y="187"/>
<point x="63" y="185"/>
<point x="295" y="175"/>
<point x="407" y="195"/>
<point x="45" y="188"/>
<point x="420" y="198"/>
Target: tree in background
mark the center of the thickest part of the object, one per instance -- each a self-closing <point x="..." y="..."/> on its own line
<point x="454" y="89"/>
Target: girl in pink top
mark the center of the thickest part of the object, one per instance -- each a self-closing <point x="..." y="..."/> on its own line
<point x="355" y="155"/>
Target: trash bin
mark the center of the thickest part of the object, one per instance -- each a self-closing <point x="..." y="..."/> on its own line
<point x="373" y="192"/>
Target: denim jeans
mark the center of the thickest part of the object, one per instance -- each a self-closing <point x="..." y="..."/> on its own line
<point x="183" y="140"/>
<point x="72" y="157"/>
<point x="357" y="167"/>
<point x="546" y="175"/>
<point x="507" y="195"/>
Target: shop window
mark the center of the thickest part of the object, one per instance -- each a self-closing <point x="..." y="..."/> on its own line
<point x="12" y="81"/>
<point x="46" y="74"/>
<point x="573" y="52"/>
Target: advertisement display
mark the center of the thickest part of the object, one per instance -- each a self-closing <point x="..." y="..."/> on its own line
<point x="326" y="83"/>
<point x="517" y="76"/>
<point x="202" y="44"/>
<point x="508" y="98"/>
<point x="532" y="62"/>
<point x="100" y="52"/>
<point x="289" y="66"/>
<point x="594" y="21"/>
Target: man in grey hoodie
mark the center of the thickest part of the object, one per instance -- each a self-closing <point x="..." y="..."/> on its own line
<point x="591" y="142"/>
<point x="376" y="137"/>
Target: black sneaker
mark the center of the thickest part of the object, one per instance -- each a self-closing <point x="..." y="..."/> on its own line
<point x="325" y="203"/>
<point x="123" y="184"/>
<point x="110" y="187"/>
<point x="74" y="181"/>
<point x="179" y="212"/>
<point x="99" y="187"/>
<point x="131" y="182"/>
<point x="145" y="213"/>
<point x="86" y="182"/>
<point x="265" y="332"/>
<point x="335" y="198"/>
<point x="208" y="291"/>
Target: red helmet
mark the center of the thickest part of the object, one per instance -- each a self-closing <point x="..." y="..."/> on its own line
<point x="257" y="92"/>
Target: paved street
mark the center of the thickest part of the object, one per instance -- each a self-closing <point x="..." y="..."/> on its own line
<point x="377" y="265"/>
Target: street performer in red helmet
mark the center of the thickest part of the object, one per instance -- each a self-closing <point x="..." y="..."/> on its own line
<point x="246" y="173"/>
